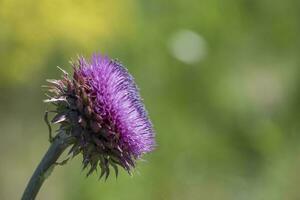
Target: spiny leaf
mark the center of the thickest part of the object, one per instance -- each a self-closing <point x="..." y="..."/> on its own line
<point x="102" y="166"/>
<point x="85" y="163"/>
<point x="92" y="169"/>
<point x="62" y="162"/>
<point x="107" y="172"/>
<point x="114" y="166"/>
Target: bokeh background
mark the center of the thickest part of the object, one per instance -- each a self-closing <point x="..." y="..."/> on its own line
<point x="220" y="80"/>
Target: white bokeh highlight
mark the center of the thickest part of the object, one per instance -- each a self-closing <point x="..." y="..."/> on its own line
<point x="188" y="46"/>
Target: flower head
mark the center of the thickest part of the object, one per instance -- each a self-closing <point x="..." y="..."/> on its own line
<point x="101" y="108"/>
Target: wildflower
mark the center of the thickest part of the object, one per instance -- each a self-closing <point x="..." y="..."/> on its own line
<point x="101" y="108"/>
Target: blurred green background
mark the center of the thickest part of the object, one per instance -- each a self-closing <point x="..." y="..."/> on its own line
<point x="220" y="80"/>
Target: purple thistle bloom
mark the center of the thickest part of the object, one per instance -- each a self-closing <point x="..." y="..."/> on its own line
<point x="101" y="107"/>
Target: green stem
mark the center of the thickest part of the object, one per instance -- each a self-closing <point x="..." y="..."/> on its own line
<point x="47" y="164"/>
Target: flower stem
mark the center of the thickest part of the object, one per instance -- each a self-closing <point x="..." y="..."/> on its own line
<point x="47" y="164"/>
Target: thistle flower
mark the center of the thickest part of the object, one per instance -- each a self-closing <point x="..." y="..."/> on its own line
<point x="101" y="108"/>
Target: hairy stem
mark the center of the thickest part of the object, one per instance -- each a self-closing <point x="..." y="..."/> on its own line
<point x="47" y="164"/>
